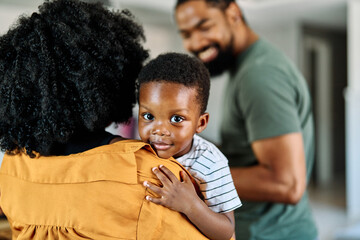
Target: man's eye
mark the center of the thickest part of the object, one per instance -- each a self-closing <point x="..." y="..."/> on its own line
<point x="148" y="116"/>
<point x="185" y="36"/>
<point x="176" y="119"/>
<point x="205" y="29"/>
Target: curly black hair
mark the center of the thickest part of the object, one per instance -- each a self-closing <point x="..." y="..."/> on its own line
<point x="179" y="68"/>
<point x="70" y="67"/>
<point x="222" y="4"/>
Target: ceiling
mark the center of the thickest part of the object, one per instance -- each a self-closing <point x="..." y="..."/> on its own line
<point x="320" y="12"/>
<point x="330" y="13"/>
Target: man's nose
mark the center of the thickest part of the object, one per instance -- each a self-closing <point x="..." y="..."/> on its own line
<point x="196" y="42"/>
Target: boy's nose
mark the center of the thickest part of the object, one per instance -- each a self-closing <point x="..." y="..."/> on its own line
<point x="161" y="131"/>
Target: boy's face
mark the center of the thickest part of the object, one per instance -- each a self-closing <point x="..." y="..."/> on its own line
<point x="169" y="116"/>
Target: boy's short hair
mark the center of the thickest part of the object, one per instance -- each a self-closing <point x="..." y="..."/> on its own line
<point x="182" y="69"/>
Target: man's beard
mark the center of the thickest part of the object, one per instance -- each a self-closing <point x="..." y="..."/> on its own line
<point x="224" y="61"/>
<point x="221" y="63"/>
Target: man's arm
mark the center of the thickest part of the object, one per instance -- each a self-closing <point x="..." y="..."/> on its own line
<point x="280" y="175"/>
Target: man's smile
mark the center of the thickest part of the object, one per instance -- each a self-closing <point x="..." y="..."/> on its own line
<point x="208" y="54"/>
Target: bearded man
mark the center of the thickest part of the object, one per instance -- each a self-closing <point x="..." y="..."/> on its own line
<point x="267" y="123"/>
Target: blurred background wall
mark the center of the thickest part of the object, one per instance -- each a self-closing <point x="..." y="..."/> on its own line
<point x="322" y="39"/>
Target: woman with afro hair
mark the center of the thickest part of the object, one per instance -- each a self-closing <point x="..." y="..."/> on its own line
<point x="66" y="73"/>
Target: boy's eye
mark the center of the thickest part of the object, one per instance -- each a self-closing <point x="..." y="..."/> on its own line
<point x="176" y="119"/>
<point x="148" y="116"/>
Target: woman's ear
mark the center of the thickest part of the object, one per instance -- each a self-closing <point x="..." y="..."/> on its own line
<point x="202" y="122"/>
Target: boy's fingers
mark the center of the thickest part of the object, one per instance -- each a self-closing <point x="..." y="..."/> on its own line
<point x="154" y="200"/>
<point x="152" y="187"/>
<point x="185" y="178"/>
<point x="168" y="173"/>
<point x="161" y="176"/>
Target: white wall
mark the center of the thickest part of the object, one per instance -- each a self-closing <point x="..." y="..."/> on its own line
<point x="214" y="108"/>
<point x="352" y="97"/>
<point x="10" y="13"/>
<point x="285" y="37"/>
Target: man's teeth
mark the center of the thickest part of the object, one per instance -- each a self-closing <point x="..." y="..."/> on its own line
<point x="207" y="53"/>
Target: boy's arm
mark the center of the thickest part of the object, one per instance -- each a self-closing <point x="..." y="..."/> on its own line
<point x="181" y="196"/>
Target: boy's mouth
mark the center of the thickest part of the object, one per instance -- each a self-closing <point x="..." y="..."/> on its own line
<point x="162" y="146"/>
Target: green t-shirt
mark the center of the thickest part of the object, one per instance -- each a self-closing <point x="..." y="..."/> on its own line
<point x="266" y="96"/>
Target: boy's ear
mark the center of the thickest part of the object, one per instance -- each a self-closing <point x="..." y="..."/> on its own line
<point x="202" y="122"/>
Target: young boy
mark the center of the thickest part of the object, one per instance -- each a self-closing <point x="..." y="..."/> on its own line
<point x="173" y="95"/>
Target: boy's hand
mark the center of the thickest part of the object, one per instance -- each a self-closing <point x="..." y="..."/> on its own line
<point x="176" y="195"/>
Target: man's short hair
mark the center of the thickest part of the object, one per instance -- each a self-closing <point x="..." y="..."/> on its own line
<point x="222" y="4"/>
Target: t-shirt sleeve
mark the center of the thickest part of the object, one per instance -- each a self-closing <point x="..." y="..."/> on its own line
<point x="217" y="185"/>
<point x="268" y="102"/>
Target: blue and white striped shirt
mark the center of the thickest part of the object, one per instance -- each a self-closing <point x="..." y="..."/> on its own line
<point x="210" y="169"/>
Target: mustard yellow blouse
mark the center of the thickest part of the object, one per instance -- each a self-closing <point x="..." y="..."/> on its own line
<point x="97" y="194"/>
